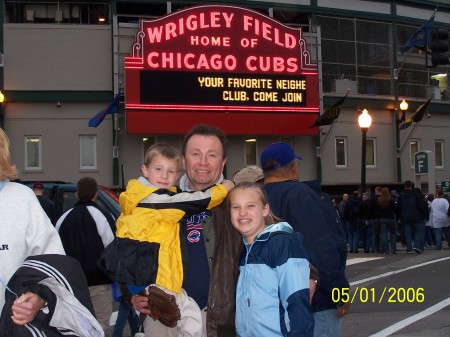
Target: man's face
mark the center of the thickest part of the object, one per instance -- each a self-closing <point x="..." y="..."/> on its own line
<point x="203" y="161"/>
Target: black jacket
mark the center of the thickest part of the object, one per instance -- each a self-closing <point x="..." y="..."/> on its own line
<point x="48" y="276"/>
<point x="410" y="207"/>
<point x="81" y="240"/>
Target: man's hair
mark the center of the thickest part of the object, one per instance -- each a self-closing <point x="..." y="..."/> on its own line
<point x="164" y="150"/>
<point x="6" y="169"/>
<point x="205" y="130"/>
<point x="408" y="184"/>
<point x="86" y="188"/>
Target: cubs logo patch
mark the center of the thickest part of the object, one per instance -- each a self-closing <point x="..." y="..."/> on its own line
<point x="193" y="236"/>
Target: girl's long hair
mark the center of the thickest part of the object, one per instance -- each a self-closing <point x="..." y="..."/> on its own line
<point x="6" y="169"/>
<point x="385" y="197"/>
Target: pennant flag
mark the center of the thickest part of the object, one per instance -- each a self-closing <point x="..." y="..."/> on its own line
<point x="416" y="116"/>
<point x="112" y="108"/>
<point x="331" y="114"/>
<point x="420" y="38"/>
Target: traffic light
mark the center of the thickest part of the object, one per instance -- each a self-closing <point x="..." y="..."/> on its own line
<point x="439" y="47"/>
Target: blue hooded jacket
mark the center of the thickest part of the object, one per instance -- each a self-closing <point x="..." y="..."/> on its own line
<point x="272" y="297"/>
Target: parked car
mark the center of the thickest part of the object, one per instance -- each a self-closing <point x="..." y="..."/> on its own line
<point x="63" y="196"/>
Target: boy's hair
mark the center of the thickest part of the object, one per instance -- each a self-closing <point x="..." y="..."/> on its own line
<point x="6" y="169"/>
<point x="205" y="130"/>
<point x="164" y="150"/>
<point x="86" y="188"/>
<point x="270" y="219"/>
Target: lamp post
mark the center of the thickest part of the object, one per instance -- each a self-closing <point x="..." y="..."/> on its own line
<point x="364" y="121"/>
<point x="2" y="114"/>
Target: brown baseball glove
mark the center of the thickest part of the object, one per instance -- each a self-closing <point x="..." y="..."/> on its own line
<point x="163" y="306"/>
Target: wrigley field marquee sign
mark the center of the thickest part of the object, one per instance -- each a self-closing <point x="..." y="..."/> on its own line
<point x="219" y="59"/>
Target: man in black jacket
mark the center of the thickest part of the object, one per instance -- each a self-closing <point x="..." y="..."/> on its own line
<point x="85" y="231"/>
<point x="412" y="214"/>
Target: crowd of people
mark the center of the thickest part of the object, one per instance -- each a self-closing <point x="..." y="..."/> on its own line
<point x="256" y="256"/>
<point x="379" y="223"/>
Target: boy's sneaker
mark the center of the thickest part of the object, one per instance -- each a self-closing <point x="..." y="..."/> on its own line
<point x="417" y="250"/>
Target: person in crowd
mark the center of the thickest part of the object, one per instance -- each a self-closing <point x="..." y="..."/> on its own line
<point x="151" y="211"/>
<point x="273" y="285"/>
<point x="310" y="212"/>
<point x="386" y="214"/>
<point x="366" y="225"/>
<point x="439" y="219"/>
<point x="412" y="213"/>
<point x="429" y="235"/>
<point x="85" y="231"/>
<point x="373" y="217"/>
<point x="25" y="230"/>
<point x="352" y="213"/>
<point x="345" y="223"/>
<point x="249" y="174"/>
<point x="47" y="204"/>
<point x="212" y="245"/>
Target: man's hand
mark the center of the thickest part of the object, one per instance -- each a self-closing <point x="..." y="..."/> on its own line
<point x="343" y="309"/>
<point x="140" y="303"/>
<point x="26" y="307"/>
<point x="228" y="184"/>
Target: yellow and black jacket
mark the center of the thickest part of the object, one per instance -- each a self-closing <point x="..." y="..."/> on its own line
<point x="147" y="248"/>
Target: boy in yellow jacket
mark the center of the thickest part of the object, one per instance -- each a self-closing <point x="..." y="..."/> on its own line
<point x="147" y="250"/>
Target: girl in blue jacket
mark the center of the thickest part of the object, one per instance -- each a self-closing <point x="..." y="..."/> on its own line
<point x="272" y="297"/>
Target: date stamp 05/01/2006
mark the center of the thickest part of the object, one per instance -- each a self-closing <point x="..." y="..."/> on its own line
<point x="382" y="295"/>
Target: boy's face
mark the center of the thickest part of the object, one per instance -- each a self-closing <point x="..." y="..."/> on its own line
<point x="162" y="172"/>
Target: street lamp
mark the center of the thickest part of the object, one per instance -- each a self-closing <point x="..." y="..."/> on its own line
<point x="364" y="121"/>
<point x="403" y="108"/>
<point x="2" y="115"/>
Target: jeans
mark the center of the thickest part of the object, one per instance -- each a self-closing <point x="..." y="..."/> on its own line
<point x="429" y="237"/>
<point x="376" y="234"/>
<point x="327" y="324"/>
<point x="370" y="243"/>
<point x="388" y="226"/>
<point x="418" y="229"/>
<point x="125" y="313"/>
<point x="348" y="229"/>
<point x="438" y="236"/>
<point x="355" y="238"/>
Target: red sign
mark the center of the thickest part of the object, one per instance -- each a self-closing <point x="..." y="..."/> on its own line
<point x="219" y="59"/>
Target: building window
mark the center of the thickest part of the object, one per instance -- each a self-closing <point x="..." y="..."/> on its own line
<point x="88" y="152"/>
<point x="146" y="143"/>
<point x="354" y="58"/>
<point x="341" y="152"/>
<point x="57" y="12"/>
<point x="414" y="145"/>
<point x="371" y="151"/>
<point x="250" y="151"/>
<point x="33" y="152"/>
<point x="439" y="153"/>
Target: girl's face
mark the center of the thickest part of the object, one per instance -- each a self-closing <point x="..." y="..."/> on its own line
<point x="248" y="212"/>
